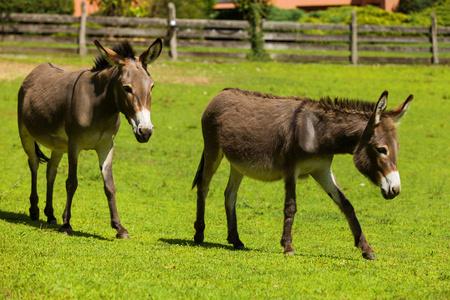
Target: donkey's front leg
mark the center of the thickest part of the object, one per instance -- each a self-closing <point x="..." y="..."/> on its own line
<point x="71" y="187"/>
<point x="290" y="208"/>
<point x="326" y="180"/>
<point x="105" y="156"/>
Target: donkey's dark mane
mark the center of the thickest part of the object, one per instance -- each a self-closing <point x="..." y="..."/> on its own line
<point x="124" y="49"/>
<point x="327" y="103"/>
<point x="347" y="105"/>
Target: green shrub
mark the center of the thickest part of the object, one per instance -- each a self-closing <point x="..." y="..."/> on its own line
<point x="278" y="14"/>
<point x="33" y="6"/>
<point x="366" y="15"/>
<point x="340" y="15"/>
<point x="125" y="8"/>
<point x="115" y="8"/>
<point x="254" y="12"/>
<point x="196" y="9"/>
<point x="193" y="9"/>
<point x="411" y="6"/>
<point x="442" y="10"/>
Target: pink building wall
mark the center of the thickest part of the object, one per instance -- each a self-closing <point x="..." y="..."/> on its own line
<point x="91" y="7"/>
<point x="388" y="5"/>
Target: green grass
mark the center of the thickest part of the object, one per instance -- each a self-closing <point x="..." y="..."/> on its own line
<point x="409" y="234"/>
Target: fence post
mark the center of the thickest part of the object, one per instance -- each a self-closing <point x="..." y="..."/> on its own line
<point x="434" y="39"/>
<point x="354" y="38"/>
<point x="172" y="31"/>
<point x="82" y="50"/>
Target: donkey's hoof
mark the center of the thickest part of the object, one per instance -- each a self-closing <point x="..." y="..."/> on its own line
<point x="289" y="253"/>
<point x="289" y="250"/>
<point x="369" y="255"/>
<point x="199" y="237"/>
<point x="51" y="220"/>
<point x="66" y="228"/>
<point x="34" y="214"/>
<point x="122" y="235"/>
<point x="238" y="245"/>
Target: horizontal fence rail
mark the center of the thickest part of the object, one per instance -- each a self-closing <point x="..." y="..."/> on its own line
<point x="228" y="39"/>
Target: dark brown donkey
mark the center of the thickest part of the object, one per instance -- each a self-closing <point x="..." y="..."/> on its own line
<point x="271" y="138"/>
<point x="73" y="111"/>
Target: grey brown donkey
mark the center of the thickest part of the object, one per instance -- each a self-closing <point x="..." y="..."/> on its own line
<point x="270" y="138"/>
<point x="72" y="111"/>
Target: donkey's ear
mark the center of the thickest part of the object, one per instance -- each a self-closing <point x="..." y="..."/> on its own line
<point x="398" y="113"/>
<point x="375" y="118"/>
<point x="111" y="56"/>
<point x="152" y="53"/>
<point x="380" y="108"/>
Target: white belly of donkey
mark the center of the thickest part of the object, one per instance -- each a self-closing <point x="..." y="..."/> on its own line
<point x="269" y="173"/>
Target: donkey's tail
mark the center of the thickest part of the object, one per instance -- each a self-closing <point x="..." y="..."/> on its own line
<point x="199" y="174"/>
<point x="41" y="156"/>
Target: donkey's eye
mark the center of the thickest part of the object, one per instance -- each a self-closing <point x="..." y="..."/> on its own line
<point x="127" y="88"/>
<point x="382" y="150"/>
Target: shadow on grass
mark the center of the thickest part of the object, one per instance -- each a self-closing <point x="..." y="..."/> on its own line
<point x="190" y="243"/>
<point x="327" y="256"/>
<point x="19" y="218"/>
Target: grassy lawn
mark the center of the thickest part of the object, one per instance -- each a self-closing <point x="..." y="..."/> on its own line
<point x="410" y="234"/>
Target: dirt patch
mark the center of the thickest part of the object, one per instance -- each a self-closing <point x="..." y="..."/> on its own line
<point x="165" y="74"/>
<point x="14" y="70"/>
<point x="191" y="80"/>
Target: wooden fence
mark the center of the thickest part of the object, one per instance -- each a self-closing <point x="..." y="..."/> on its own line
<point x="214" y="39"/>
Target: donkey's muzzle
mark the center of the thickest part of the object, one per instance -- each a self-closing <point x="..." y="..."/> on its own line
<point x="143" y="134"/>
<point x="391" y="194"/>
<point x="390" y="185"/>
<point x="142" y="125"/>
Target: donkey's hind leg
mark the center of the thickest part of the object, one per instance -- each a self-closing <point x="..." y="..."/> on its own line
<point x="212" y="156"/>
<point x="71" y="187"/>
<point x="326" y="180"/>
<point x="28" y="144"/>
<point x="52" y="169"/>
<point x="231" y="191"/>
<point x="290" y="209"/>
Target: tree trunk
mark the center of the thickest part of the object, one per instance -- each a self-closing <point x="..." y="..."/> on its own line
<point x="253" y="12"/>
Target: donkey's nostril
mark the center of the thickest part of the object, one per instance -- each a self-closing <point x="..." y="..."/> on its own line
<point x="144" y="131"/>
<point x="395" y="190"/>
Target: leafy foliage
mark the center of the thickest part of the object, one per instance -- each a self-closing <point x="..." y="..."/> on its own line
<point x="193" y="9"/>
<point x="377" y="16"/>
<point x="33" y="6"/>
<point x="277" y="14"/>
<point x="196" y="9"/>
<point x="254" y="11"/>
<point x="366" y="15"/>
<point x="126" y="8"/>
<point x="411" y="6"/>
<point x="115" y="7"/>
<point x="442" y="10"/>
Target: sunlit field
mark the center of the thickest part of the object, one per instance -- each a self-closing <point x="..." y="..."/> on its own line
<point x="410" y="234"/>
